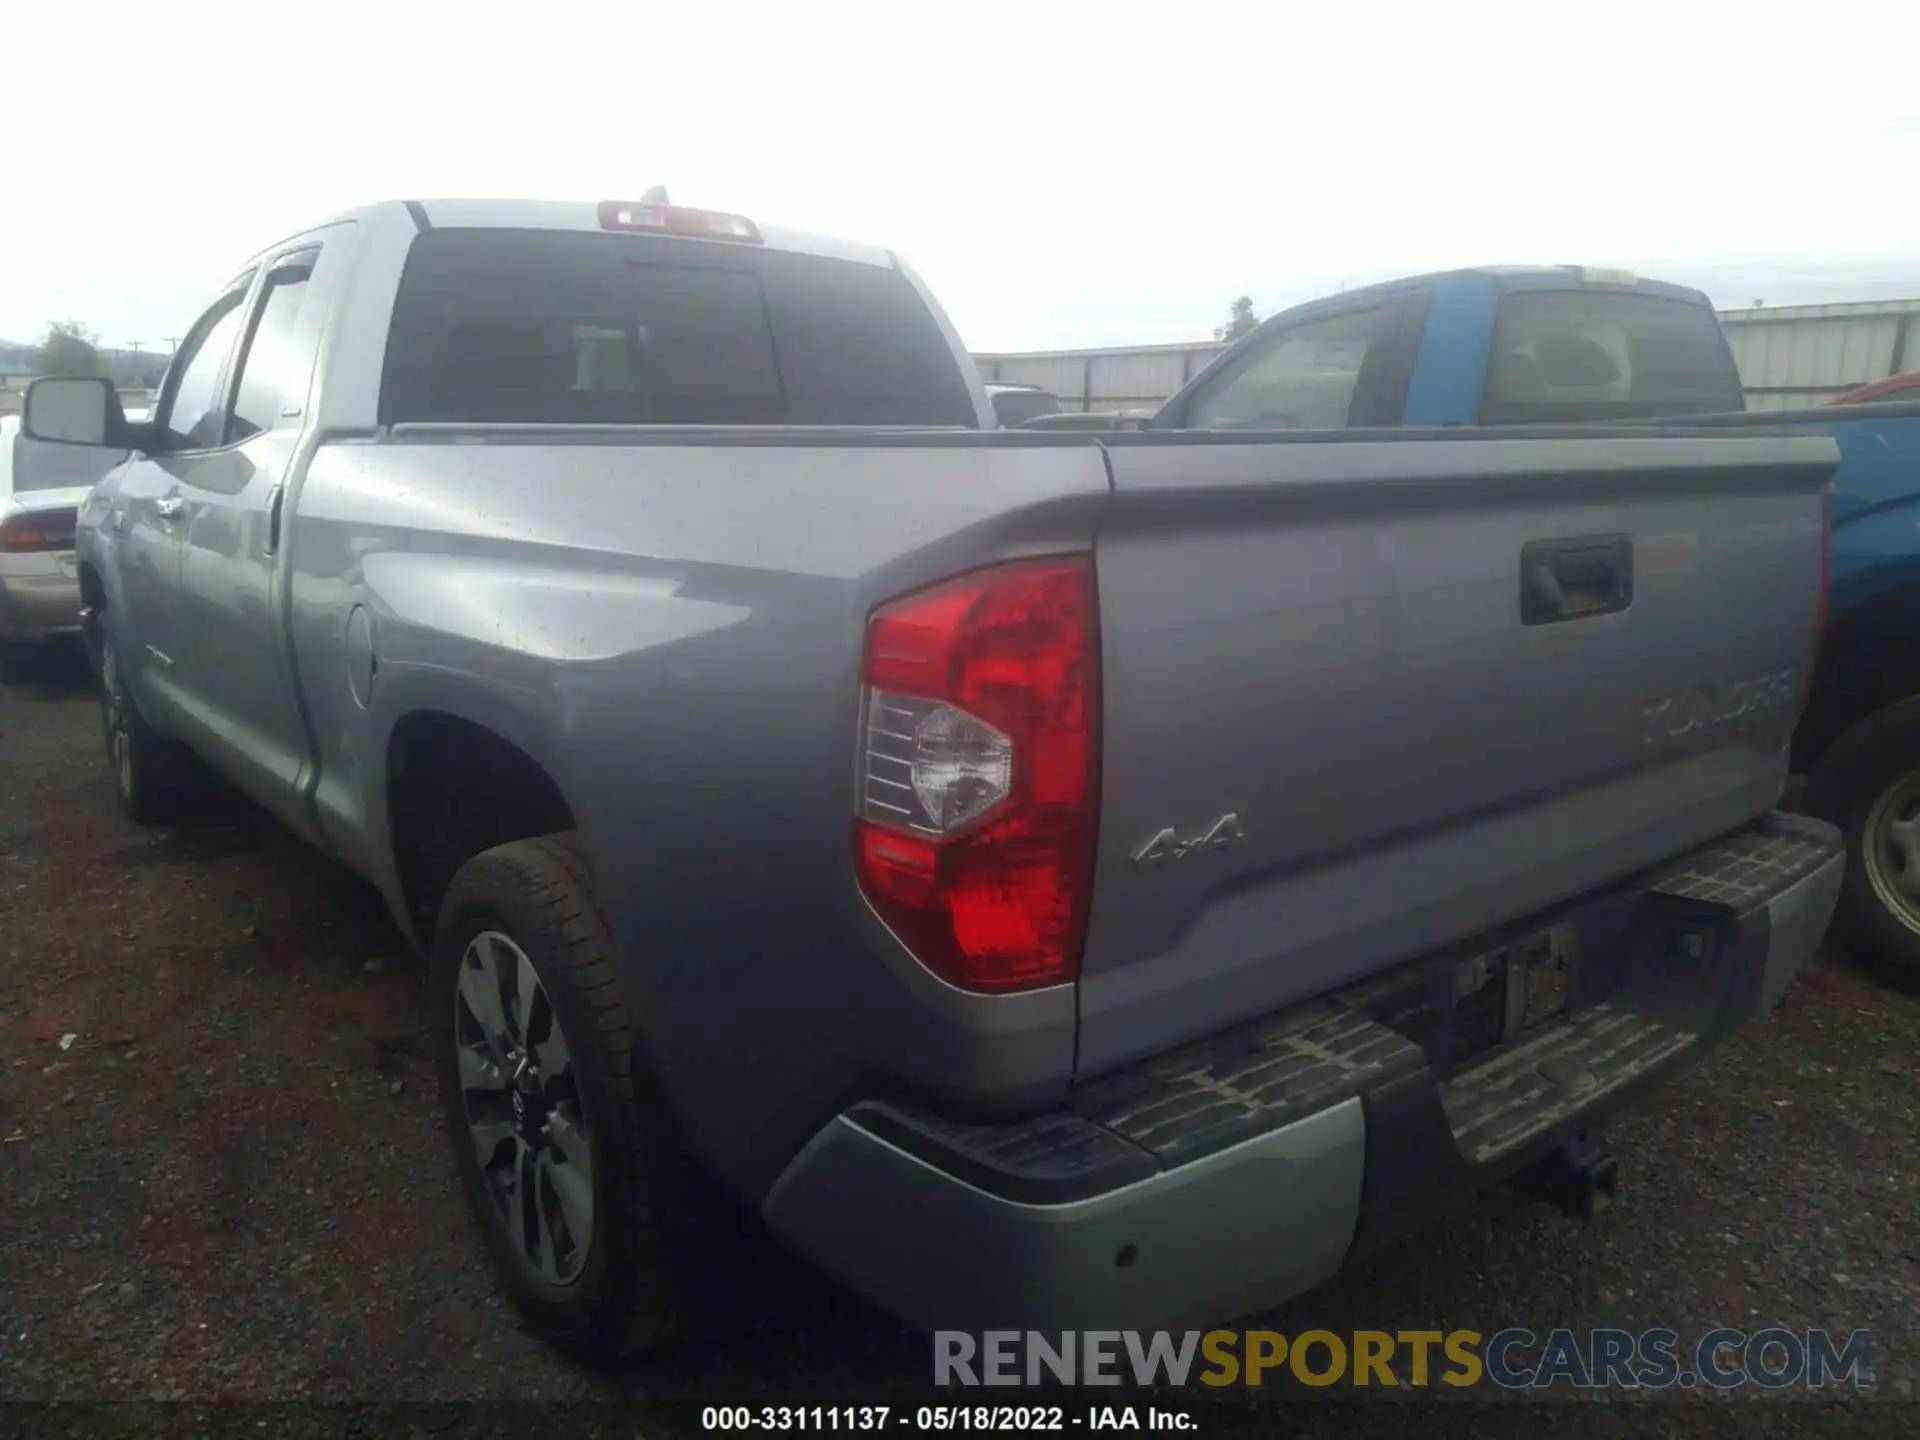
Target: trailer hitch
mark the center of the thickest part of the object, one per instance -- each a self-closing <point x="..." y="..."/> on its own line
<point x="1576" y="1178"/>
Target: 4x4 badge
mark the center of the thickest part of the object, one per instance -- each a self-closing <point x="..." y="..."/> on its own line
<point x="1168" y="845"/>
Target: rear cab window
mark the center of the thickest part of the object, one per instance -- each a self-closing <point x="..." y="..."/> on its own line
<point x="565" y="327"/>
<point x="276" y="360"/>
<point x="1605" y="354"/>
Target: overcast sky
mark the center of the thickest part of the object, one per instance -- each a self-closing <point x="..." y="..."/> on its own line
<point x="1060" y="174"/>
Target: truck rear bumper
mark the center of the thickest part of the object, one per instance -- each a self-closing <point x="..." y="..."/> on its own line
<point x="1218" y="1179"/>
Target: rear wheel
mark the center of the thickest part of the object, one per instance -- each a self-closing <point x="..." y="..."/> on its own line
<point x="150" y="773"/>
<point x="567" y="1157"/>
<point x="1868" y="784"/>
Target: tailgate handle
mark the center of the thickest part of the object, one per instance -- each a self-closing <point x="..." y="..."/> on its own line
<point x="1575" y="579"/>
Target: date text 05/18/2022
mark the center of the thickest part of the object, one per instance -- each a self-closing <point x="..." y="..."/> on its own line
<point x="942" y="1418"/>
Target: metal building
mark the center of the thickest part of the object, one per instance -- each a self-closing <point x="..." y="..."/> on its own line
<point x="1797" y="355"/>
<point x="1127" y="377"/>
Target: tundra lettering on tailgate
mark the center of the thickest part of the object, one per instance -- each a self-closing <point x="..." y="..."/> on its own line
<point x="1711" y="708"/>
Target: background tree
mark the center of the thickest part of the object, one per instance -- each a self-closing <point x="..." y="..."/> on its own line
<point x="69" y="349"/>
<point x="1240" y="319"/>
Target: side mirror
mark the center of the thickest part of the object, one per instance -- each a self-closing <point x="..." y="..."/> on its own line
<point x="73" y="411"/>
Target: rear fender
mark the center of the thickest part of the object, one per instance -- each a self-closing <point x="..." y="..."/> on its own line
<point x="1868" y="657"/>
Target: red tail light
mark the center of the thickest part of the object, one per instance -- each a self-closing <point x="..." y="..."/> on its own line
<point x="975" y="818"/>
<point x="29" y="534"/>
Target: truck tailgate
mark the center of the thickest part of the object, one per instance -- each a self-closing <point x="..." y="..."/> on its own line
<point x="1368" y="695"/>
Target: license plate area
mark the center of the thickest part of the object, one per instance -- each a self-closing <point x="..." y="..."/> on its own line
<point x="1501" y="994"/>
<point x="1459" y="1006"/>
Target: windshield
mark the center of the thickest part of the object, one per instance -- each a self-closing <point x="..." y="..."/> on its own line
<point x="1573" y="355"/>
<point x="578" y="328"/>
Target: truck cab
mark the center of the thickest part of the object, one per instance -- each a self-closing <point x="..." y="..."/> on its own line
<point x="1513" y="345"/>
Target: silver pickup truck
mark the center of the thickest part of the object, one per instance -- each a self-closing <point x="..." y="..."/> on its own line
<point x="1048" y="879"/>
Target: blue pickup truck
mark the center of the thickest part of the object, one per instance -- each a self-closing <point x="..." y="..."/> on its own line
<point x="1540" y="344"/>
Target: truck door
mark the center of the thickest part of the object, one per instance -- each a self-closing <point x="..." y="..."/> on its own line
<point x="146" y="522"/>
<point x="233" y="663"/>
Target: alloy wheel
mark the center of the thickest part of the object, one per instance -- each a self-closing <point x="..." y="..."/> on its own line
<point x="1891" y="846"/>
<point x="119" y="728"/>
<point x="522" y="1105"/>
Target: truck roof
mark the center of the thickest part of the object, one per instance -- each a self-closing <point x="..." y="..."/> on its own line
<point x="501" y="214"/>
<point x="1533" y="277"/>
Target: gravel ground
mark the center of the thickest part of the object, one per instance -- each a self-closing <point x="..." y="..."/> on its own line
<point x="232" y="1186"/>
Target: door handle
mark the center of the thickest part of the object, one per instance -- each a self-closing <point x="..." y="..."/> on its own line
<point x="169" y="507"/>
<point x="1575" y="579"/>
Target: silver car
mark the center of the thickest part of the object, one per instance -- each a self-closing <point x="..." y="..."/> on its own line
<point x="41" y="488"/>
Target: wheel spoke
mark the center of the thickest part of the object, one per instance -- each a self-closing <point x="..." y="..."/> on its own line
<point x="1891" y="849"/>
<point x="505" y="959"/>
<point x="526" y="996"/>
<point x="479" y="1070"/>
<point x="573" y="1187"/>
<point x="518" y="1195"/>
<point x="488" y="1136"/>
<point x="1908" y="878"/>
<point x="1903" y="841"/>
<point x="545" y="1256"/>
<point x="555" y="1060"/>
<point x="571" y="1141"/>
<point x="480" y="991"/>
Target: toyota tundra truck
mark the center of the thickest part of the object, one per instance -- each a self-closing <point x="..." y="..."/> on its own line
<point x="1040" y="879"/>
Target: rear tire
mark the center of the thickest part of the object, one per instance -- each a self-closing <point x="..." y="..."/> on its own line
<point x="1868" y="784"/>
<point x="627" y="1286"/>
<point x="151" y="774"/>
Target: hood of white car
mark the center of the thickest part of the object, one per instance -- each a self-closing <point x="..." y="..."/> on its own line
<point x="35" y="475"/>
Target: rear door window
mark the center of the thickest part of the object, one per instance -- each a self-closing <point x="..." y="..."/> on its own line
<point x="1573" y="355"/>
<point x="558" y="327"/>
<point x="276" y="363"/>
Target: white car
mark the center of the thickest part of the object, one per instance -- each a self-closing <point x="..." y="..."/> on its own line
<point x="1017" y="404"/>
<point x="41" y="488"/>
